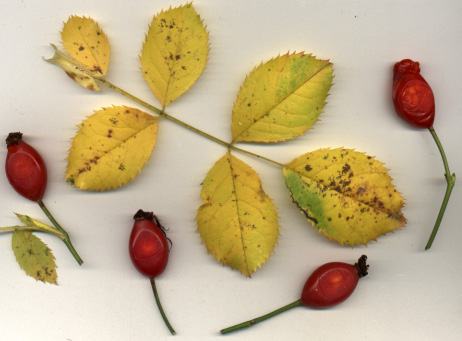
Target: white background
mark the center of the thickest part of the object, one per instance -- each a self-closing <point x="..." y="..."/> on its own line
<point x="410" y="294"/>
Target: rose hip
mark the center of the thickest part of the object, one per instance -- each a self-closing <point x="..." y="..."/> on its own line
<point x="25" y="168"/>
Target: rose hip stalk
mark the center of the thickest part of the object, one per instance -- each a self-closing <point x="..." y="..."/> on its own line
<point x="27" y="174"/>
<point x="149" y="250"/>
<point x="329" y="285"/>
<point x="414" y="102"/>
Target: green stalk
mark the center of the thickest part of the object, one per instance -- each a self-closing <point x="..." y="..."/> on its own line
<point x="450" y="180"/>
<point x="257" y="156"/>
<point x="32" y="228"/>
<point x="261" y="318"/>
<point x="164" y="317"/>
<point x="65" y="237"/>
<point x="161" y="113"/>
<point x="183" y="124"/>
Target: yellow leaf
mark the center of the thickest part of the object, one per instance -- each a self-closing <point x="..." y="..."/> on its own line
<point x="346" y="194"/>
<point x="75" y="70"/>
<point x="174" y="53"/>
<point x="237" y="221"/>
<point x="110" y="148"/>
<point x="87" y="43"/>
<point x="34" y="256"/>
<point x="281" y="99"/>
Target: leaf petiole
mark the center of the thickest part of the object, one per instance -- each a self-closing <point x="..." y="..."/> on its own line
<point x="66" y="238"/>
<point x="32" y="228"/>
<point x="450" y="180"/>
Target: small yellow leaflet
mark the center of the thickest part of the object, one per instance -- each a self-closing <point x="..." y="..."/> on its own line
<point x="87" y="43"/>
<point x="34" y="256"/>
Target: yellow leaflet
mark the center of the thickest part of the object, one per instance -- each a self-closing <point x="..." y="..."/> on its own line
<point x="34" y="256"/>
<point x="174" y="53"/>
<point x="237" y="221"/>
<point x="110" y="148"/>
<point x="87" y="43"/>
<point x="347" y="195"/>
<point x="281" y="99"/>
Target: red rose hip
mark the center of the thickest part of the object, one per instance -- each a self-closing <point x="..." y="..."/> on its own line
<point x="25" y="168"/>
<point x="412" y="96"/>
<point x="148" y="245"/>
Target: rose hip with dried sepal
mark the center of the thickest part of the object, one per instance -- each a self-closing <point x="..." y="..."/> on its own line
<point x="149" y="251"/>
<point x="329" y="285"/>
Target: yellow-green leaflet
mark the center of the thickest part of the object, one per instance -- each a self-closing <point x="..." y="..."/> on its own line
<point x="346" y="194"/>
<point x="110" y="148"/>
<point x="237" y="221"/>
<point x="34" y="256"/>
<point x="174" y="52"/>
<point x="281" y="98"/>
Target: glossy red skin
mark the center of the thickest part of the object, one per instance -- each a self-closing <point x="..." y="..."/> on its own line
<point x="329" y="285"/>
<point x="412" y="96"/>
<point x="26" y="170"/>
<point x="148" y="248"/>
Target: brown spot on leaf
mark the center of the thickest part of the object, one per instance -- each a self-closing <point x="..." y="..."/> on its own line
<point x="346" y="168"/>
<point x="96" y="68"/>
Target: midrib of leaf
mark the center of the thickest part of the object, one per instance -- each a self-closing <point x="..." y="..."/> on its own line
<point x="281" y="101"/>
<point x="174" y="61"/>
<point x="109" y="151"/>
<point x="341" y="194"/>
<point x="233" y="179"/>
<point x="91" y="50"/>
